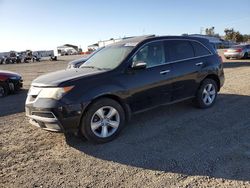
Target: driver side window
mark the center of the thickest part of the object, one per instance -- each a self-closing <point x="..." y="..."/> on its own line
<point x="152" y="54"/>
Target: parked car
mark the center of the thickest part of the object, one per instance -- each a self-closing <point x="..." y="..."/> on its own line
<point x="238" y="51"/>
<point x="10" y="82"/>
<point x="124" y="78"/>
<point x="77" y="63"/>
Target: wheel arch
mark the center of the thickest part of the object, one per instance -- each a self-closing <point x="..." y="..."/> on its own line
<point x="124" y="105"/>
<point x="215" y="78"/>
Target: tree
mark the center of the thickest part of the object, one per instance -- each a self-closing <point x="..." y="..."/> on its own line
<point x="233" y="35"/>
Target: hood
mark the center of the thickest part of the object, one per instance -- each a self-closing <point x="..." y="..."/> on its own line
<point x="58" y="77"/>
<point x="9" y="73"/>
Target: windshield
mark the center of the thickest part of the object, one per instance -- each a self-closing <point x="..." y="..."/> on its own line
<point x="108" y="58"/>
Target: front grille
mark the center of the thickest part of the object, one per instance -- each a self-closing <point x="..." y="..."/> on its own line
<point x="44" y="114"/>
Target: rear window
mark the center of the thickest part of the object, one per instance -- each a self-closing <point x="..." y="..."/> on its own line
<point x="178" y="50"/>
<point x="199" y="49"/>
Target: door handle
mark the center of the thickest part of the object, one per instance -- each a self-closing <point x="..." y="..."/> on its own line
<point x="199" y="64"/>
<point x="164" y="71"/>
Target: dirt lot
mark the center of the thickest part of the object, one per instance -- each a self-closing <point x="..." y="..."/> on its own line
<point x="172" y="146"/>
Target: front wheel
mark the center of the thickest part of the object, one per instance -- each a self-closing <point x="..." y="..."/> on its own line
<point x="103" y="121"/>
<point x="206" y="94"/>
<point x="3" y="89"/>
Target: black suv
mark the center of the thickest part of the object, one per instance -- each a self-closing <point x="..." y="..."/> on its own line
<point x="124" y="78"/>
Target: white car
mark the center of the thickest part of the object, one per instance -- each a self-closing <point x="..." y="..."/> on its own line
<point x="238" y="51"/>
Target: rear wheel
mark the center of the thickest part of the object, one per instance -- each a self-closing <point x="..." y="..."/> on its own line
<point x="103" y="121"/>
<point x="206" y="94"/>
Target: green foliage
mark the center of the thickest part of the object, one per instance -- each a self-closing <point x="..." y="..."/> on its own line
<point x="236" y="36"/>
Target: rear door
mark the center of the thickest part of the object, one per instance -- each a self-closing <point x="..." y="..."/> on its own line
<point x="187" y="59"/>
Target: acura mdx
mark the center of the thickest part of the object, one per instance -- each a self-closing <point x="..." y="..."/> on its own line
<point x="124" y="78"/>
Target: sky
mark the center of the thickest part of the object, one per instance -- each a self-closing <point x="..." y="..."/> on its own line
<point x="46" y="24"/>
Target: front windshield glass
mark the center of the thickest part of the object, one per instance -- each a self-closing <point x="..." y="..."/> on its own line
<point x="109" y="57"/>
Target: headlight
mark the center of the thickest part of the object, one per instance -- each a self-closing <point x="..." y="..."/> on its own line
<point x="54" y="93"/>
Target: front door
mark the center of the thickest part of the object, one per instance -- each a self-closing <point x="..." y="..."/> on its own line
<point x="150" y="86"/>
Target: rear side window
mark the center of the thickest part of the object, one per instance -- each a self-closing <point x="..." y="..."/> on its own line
<point x="178" y="50"/>
<point x="199" y="49"/>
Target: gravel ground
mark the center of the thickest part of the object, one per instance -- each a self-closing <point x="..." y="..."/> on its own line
<point x="171" y="146"/>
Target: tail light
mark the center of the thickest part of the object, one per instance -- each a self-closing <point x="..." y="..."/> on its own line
<point x="225" y="50"/>
<point x="238" y="50"/>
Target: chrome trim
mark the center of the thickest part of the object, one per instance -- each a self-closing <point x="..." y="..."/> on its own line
<point x="164" y="71"/>
<point x="198" y="64"/>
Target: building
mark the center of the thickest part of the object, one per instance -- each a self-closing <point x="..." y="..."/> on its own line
<point x="67" y="49"/>
<point x="103" y="43"/>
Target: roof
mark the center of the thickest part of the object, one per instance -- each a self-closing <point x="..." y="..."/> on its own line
<point x="140" y="39"/>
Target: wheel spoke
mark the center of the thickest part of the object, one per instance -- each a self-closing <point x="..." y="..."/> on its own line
<point x="111" y="113"/>
<point x="104" y="131"/>
<point x="209" y="99"/>
<point x="209" y="87"/>
<point x="212" y="92"/>
<point x="96" y="125"/>
<point x="114" y="124"/>
<point x="100" y="113"/>
<point x="205" y="98"/>
<point x="205" y="91"/>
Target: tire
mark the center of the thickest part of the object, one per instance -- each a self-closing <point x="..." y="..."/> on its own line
<point x="207" y="91"/>
<point x="245" y="56"/>
<point x="3" y="89"/>
<point x="96" y="125"/>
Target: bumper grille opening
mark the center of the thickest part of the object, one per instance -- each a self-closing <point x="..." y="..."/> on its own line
<point x="43" y="114"/>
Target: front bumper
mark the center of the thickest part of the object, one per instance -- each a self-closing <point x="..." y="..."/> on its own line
<point x="49" y="123"/>
<point x="52" y="115"/>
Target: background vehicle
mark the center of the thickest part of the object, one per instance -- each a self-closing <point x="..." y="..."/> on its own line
<point x="238" y="51"/>
<point x="77" y="63"/>
<point x="10" y="82"/>
<point x="127" y="77"/>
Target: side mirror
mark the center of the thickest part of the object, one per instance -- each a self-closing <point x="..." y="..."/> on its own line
<point x="139" y="65"/>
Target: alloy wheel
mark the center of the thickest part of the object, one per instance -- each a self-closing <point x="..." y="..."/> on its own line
<point x="105" y="121"/>
<point x="208" y="94"/>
